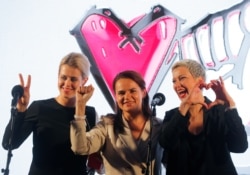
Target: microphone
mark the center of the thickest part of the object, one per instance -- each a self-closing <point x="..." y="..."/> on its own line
<point x="158" y="99"/>
<point x="17" y="93"/>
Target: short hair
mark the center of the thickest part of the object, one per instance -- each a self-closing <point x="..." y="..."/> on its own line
<point x="194" y="67"/>
<point x="78" y="61"/>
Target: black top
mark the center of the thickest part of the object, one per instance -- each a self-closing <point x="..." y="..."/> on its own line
<point x="50" y="124"/>
<point x="207" y="153"/>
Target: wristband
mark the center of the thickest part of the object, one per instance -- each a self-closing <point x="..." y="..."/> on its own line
<point x="80" y="117"/>
<point x="230" y="108"/>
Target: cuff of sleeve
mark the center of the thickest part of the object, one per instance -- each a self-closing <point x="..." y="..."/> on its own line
<point x="230" y="108"/>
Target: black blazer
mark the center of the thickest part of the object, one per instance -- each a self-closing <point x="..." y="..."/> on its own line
<point x="207" y="153"/>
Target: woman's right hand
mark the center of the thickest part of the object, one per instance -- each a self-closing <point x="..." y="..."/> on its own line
<point x="23" y="102"/>
<point x="194" y="97"/>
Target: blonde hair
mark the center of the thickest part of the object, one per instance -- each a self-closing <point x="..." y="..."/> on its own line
<point x="194" y="67"/>
<point x="78" y="61"/>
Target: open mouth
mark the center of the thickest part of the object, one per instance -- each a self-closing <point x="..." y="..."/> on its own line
<point x="182" y="93"/>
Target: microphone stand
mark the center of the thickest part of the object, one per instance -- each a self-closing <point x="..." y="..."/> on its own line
<point x="13" y="116"/>
<point x="150" y="141"/>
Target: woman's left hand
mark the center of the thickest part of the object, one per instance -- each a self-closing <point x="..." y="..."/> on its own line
<point x="222" y="96"/>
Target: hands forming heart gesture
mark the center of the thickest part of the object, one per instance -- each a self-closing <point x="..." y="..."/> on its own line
<point x="195" y="96"/>
<point x="222" y="96"/>
<point x="218" y="86"/>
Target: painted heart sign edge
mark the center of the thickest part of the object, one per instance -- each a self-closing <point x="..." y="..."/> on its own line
<point x="160" y="72"/>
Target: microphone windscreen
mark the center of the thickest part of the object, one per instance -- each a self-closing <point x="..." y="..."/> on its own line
<point x="17" y="90"/>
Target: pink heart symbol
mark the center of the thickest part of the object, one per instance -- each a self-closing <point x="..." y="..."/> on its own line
<point x="113" y="46"/>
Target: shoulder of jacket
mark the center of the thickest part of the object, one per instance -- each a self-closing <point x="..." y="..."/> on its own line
<point x="90" y="108"/>
<point x="171" y="111"/>
<point x="158" y="120"/>
<point x="108" y="119"/>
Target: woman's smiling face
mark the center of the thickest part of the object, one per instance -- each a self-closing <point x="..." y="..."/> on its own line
<point x="69" y="79"/>
<point x="129" y="95"/>
<point x="183" y="81"/>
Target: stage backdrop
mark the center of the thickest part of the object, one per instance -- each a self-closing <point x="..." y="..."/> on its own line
<point x="34" y="36"/>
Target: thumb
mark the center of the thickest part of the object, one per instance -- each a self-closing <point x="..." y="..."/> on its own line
<point x="205" y="105"/>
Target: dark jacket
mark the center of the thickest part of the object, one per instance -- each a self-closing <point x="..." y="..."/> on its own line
<point x="207" y="153"/>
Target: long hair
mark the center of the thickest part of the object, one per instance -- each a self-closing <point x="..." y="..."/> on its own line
<point x="136" y="77"/>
